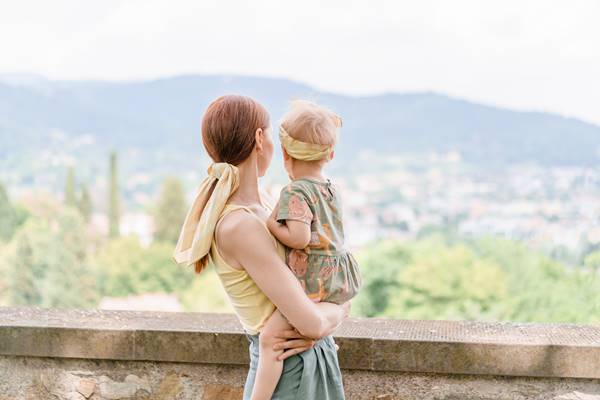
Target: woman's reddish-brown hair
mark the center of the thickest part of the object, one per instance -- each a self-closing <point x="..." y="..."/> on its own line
<point x="229" y="134"/>
<point x="229" y="127"/>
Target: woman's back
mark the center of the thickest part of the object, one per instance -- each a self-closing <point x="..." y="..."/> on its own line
<point x="250" y="303"/>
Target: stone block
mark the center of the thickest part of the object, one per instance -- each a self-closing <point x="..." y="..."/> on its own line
<point x="222" y="392"/>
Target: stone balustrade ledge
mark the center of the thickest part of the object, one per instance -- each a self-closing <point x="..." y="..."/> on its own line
<point x="380" y="345"/>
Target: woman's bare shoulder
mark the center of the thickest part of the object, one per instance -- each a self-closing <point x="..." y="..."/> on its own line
<point x="238" y="227"/>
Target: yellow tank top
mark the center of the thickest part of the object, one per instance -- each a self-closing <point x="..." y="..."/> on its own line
<point x="251" y="305"/>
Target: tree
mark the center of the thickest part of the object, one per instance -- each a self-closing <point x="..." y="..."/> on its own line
<point x="484" y="278"/>
<point x="592" y="261"/>
<point x="48" y="265"/>
<point x="540" y="289"/>
<point x="11" y="216"/>
<point x="3" y="274"/>
<point x="23" y="272"/>
<point x="448" y="282"/>
<point x="206" y="294"/>
<point x="170" y="211"/>
<point x="126" y="268"/>
<point x="71" y="281"/>
<point x="429" y="279"/>
<point x="70" y="199"/>
<point x="8" y="217"/>
<point x="85" y="204"/>
<point x="380" y="264"/>
<point x="114" y="212"/>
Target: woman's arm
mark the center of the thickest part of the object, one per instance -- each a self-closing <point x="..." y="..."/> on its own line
<point x="244" y="239"/>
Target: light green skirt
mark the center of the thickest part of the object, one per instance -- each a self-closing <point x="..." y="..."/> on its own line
<point x="314" y="374"/>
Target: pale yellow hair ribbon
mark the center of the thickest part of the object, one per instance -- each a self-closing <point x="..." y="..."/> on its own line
<point x="302" y="150"/>
<point x="198" y="229"/>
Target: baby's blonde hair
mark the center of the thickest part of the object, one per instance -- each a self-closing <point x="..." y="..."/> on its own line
<point x="311" y="123"/>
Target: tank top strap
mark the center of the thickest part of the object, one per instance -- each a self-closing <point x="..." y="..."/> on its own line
<point x="229" y="208"/>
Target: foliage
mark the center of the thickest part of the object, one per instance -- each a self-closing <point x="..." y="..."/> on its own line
<point x="46" y="264"/>
<point x="11" y="216"/>
<point x="380" y="265"/>
<point x="486" y="278"/>
<point x="429" y="279"/>
<point x="541" y="289"/>
<point x="127" y="268"/>
<point x="4" y="301"/>
<point x="449" y="282"/>
<point x="170" y="211"/>
<point x="592" y="261"/>
<point x="206" y="294"/>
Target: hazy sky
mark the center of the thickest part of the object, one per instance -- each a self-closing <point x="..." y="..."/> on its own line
<point x="542" y="55"/>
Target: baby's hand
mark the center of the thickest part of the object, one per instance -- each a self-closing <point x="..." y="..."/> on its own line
<point x="272" y="223"/>
<point x="273" y="215"/>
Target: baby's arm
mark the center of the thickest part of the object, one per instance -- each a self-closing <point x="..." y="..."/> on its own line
<point x="291" y="219"/>
<point x="269" y="366"/>
<point x="293" y="234"/>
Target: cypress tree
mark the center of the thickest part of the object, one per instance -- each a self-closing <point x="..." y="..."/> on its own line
<point x="113" y="198"/>
<point x="70" y="188"/>
<point x="85" y="204"/>
<point x="170" y="211"/>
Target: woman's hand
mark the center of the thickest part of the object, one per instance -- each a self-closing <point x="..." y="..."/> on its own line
<point x="292" y="343"/>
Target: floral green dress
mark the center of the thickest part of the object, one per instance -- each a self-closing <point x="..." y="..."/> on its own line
<point x="326" y="270"/>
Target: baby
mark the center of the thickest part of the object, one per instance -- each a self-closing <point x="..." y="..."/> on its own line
<point x="308" y="220"/>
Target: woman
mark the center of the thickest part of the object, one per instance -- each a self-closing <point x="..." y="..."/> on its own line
<point x="227" y="225"/>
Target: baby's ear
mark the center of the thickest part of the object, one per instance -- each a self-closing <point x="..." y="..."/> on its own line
<point x="286" y="156"/>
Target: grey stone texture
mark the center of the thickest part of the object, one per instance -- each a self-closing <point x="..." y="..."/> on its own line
<point x="101" y="355"/>
<point x="33" y="378"/>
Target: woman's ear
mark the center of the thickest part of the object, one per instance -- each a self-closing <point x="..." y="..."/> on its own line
<point x="331" y="155"/>
<point x="259" y="138"/>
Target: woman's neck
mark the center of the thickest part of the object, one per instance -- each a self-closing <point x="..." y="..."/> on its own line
<point x="247" y="192"/>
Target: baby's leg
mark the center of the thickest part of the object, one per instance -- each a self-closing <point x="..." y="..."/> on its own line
<point x="269" y="368"/>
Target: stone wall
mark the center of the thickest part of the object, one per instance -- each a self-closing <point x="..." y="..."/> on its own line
<point x="78" y="355"/>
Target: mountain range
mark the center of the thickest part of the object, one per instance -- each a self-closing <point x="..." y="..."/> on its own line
<point x="165" y="114"/>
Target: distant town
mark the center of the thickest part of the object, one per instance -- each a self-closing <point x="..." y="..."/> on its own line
<point x="551" y="208"/>
<point x="556" y="209"/>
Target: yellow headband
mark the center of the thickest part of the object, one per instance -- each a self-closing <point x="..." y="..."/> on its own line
<point x="198" y="229"/>
<point x="302" y="150"/>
